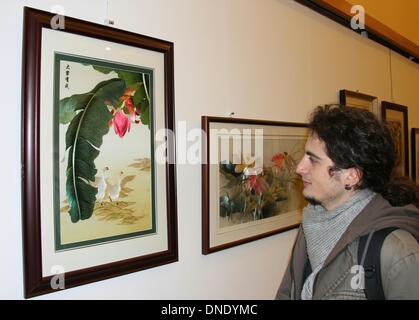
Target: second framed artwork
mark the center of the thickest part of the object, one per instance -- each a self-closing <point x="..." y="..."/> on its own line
<point x="397" y="118"/>
<point x="250" y="188"/>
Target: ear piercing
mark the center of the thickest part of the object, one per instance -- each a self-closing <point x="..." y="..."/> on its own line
<point x="348" y="187"/>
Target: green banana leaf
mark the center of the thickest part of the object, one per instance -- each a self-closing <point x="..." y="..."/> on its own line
<point x="141" y="100"/>
<point x="69" y="106"/>
<point x="104" y="70"/>
<point x="84" y="138"/>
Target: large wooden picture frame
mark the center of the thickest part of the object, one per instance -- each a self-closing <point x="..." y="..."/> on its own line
<point x="396" y="117"/>
<point x="96" y="202"/>
<point x="250" y="188"/>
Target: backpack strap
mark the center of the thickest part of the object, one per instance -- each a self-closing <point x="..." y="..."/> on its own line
<point x="307" y="271"/>
<point x="369" y="254"/>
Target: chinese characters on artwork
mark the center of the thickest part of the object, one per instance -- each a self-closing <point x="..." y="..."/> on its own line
<point x="67" y="76"/>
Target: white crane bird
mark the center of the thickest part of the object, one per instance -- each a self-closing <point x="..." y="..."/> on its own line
<point x="101" y="184"/>
<point x="115" y="189"/>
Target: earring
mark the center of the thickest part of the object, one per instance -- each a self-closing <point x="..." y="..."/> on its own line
<point x="348" y="187"/>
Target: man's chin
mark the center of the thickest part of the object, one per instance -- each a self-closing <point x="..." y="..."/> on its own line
<point x="312" y="200"/>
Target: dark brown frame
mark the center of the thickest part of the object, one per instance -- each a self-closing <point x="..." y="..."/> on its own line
<point x="205" y="167"/>
<point x="403" y="109"/>
<point x="414" y="139"/>
<point x="34" y="283"/>
<point x="343" y="94"/>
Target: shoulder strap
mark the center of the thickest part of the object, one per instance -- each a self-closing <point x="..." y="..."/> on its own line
<point x="369" y="253"/>
<point x="307" y="271"/>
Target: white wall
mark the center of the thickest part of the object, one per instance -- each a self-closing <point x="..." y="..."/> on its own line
<point x="270" y="59"/>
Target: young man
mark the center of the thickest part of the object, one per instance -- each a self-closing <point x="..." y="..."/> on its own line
<point x="346" y="169"/>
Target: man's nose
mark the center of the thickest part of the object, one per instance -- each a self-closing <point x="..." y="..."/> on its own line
<point x="302" y="167"/>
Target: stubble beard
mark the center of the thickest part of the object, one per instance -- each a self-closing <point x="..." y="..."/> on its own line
<point x="313" y="201"/>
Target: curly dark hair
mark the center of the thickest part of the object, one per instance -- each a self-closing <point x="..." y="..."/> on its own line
<point x="355" y="138"/>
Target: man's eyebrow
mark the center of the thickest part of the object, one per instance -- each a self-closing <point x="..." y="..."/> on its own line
<point x="311" y="154"/>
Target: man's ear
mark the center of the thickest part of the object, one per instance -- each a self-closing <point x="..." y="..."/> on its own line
<point x="353" y="176"/>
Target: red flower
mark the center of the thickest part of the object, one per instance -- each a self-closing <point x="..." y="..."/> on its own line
<point x="121" y="123"/>
<point x="257" y="184"/>
<point x="128" y="104"/>
<point x="127" y="100"/>
<point x="252" y="181"/>
<point x="278" y="159"/>
<point x="128" y="93"/>
<point x="257" y="188"/>
<point x="130" y="107"/>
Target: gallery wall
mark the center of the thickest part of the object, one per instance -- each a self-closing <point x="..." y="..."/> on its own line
<point x="270" y="59"/>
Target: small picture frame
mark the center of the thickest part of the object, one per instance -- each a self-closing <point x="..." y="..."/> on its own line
<point x="250" y="188"/>
<point x="415" y="154"/>
<point x="359" y="100"/>
<point x="396" y="116"/>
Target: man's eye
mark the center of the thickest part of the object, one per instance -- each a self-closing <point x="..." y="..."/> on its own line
<point x="312" y="160"/>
